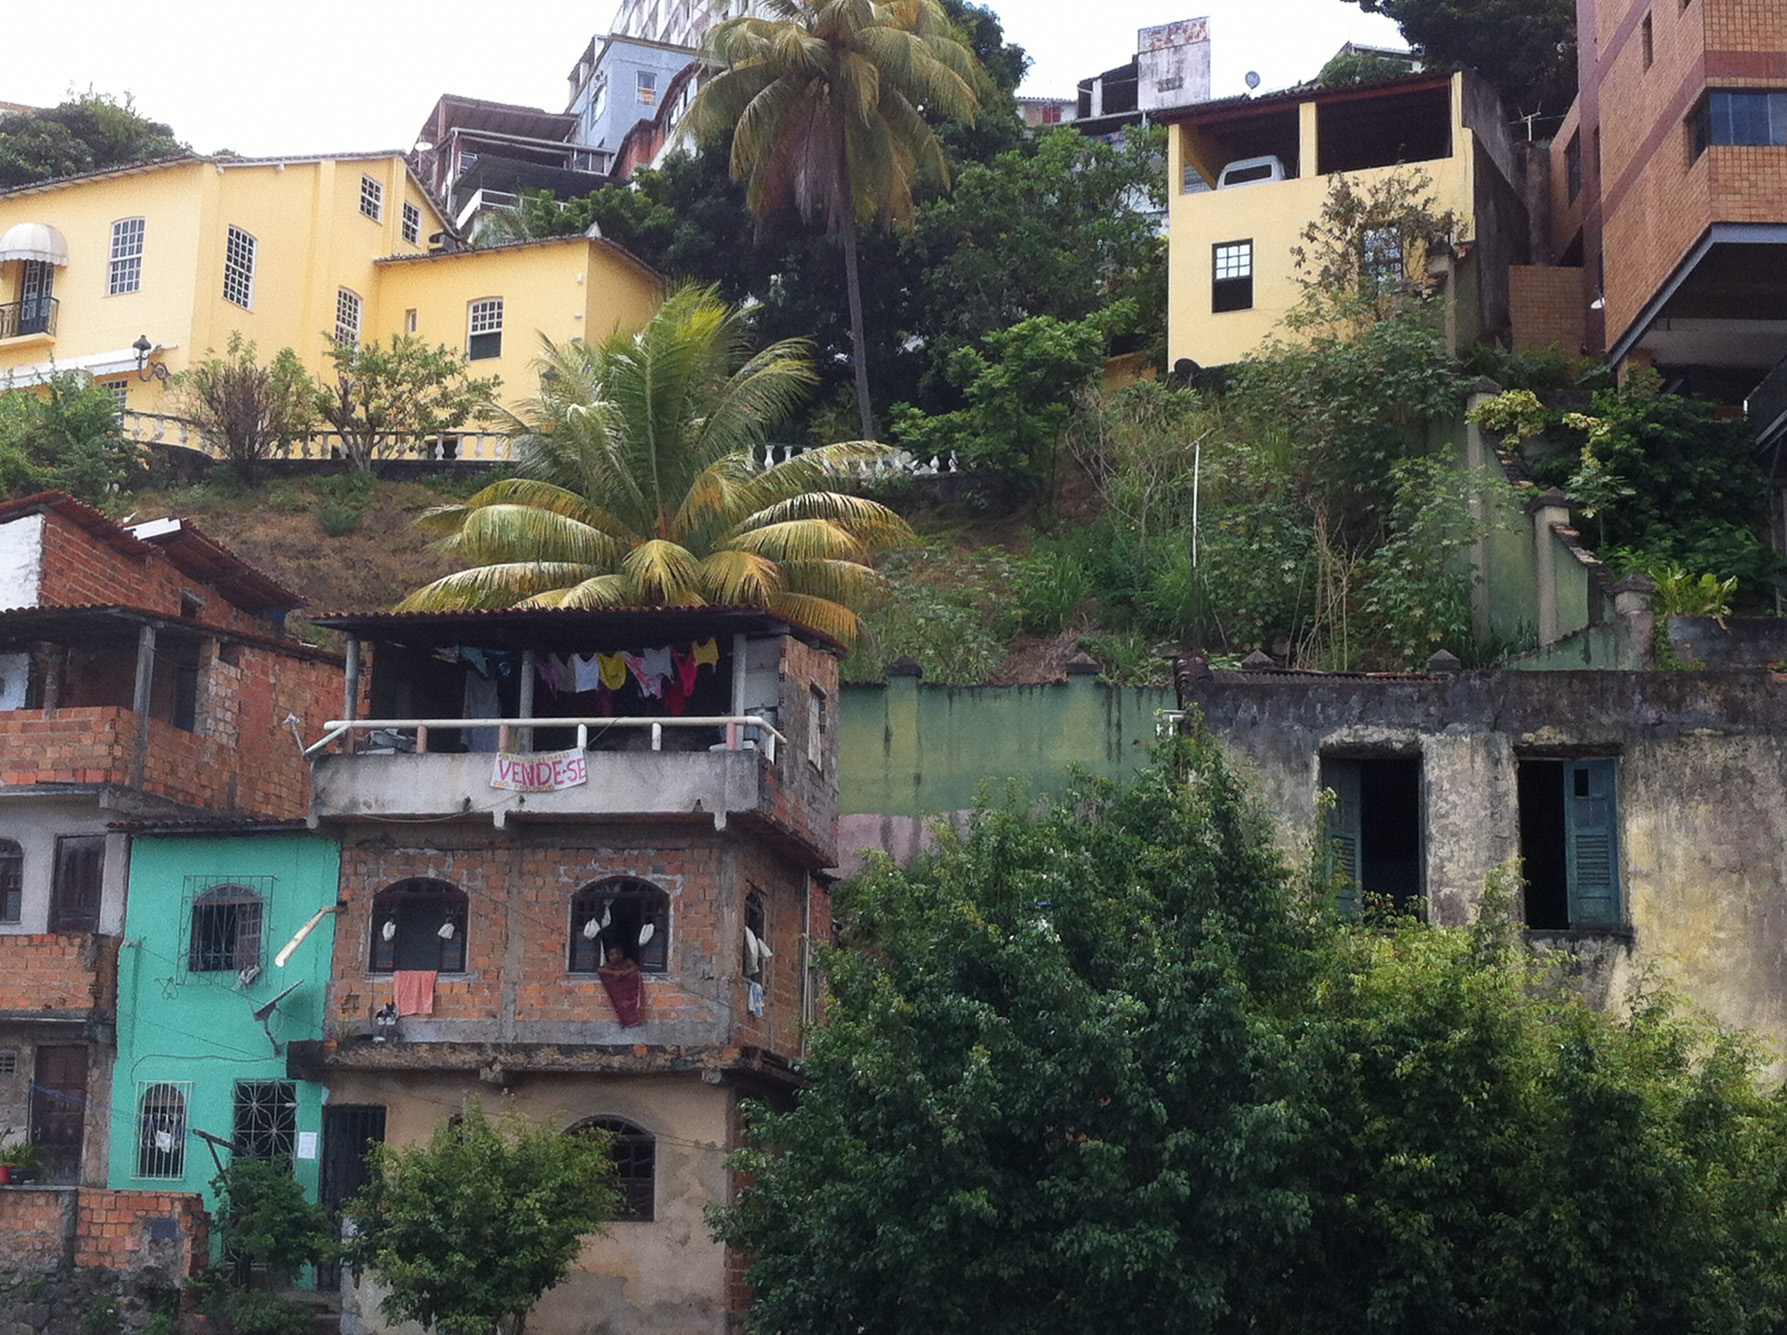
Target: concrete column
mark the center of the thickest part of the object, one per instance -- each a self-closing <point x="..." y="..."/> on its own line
<point x="350" y="692"/>
<point x="140" y="701"/>
<point x="1549" y="511"/>
<point x="524" y="737"/>
<point x="1308" y="145"/>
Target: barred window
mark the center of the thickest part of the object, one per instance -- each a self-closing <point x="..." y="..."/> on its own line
<point x="412" y="222"/>
<point x="12" y="881"/>
<point x="9" y="1061"/>
<point x="372" y="198"/>
<point x="125" y="273"/>
<point x="620" y="915"/>
<point x="238" y="268"/>
<point x="634" y="1152"/>
<point x="266" y="1120"/>
<point x="419" y="924"/>
<point x="347" y="317"/>
<point x="161" y="1129"/>
<point x="226" y="930"/>
<point x="484" y="336"/>
<point x="120" y="392"/>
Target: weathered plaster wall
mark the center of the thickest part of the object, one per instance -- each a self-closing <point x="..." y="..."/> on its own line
<point x="1702" y="801"/>
<point x="664" y="1276"/>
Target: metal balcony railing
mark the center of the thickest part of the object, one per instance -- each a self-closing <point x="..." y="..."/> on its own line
<point x="741" y="731"/>
<point x="37" y="315"/>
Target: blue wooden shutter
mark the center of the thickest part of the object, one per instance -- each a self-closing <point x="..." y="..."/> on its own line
<point x="1591" y="829"/>
<point x="1343" y="831"/>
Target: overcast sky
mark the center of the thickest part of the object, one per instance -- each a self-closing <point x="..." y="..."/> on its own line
<point x="330" y="75"/>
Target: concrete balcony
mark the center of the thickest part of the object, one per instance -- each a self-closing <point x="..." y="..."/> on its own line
<point x="734" y="777"/>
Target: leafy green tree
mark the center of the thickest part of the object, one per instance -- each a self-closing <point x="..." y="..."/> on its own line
<point x="262" y="1218"/>
<point x="826" y="103"/>
<point x="468" y="1228"/>
<point x="1020" y="392"/>
<point x="248" y="409"/>
<point x="1526" y="48"/>
<point x="89" y="132"/>
<point x="389" y="395"/>
<point x="640" y="485"/>
<point x="1346" y="67"/>
<point x="1107" y="1064"/>
<point x="67" y="437"/>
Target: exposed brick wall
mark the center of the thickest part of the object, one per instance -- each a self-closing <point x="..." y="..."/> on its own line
<point x="802" y="798"/>
<point x="58" y="971"/>
<point x="86" y="745"/>
<point x="519" y="888"/>
<point x="111" y="1229"/>
<point x="1549" y="306"/>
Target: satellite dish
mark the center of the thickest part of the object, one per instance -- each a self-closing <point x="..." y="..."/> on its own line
<point x="1253" y="80"/>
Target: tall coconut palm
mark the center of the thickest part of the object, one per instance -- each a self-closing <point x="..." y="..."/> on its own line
<point x="640" y="485"/>
<point x="826" y="103"/>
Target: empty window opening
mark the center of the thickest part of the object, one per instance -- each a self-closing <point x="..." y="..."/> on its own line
<point x="226" y="931"/>
<point x="757" y="955"/>
<point x="635" y="1155"/>
<point x="620" y="917"/>
<point x="1647" y="39"/>
<point x="174" y="687"/>
<point x="78" y="883"/>
<point x="1231" y="279"/>
<point x="1573" y="165"/>
<point x="1273" y="134"/>
<point x="419" y="925"/>
<point x="1374" y="829"/>
<point x="1569" y="844"/>
<point x="266" y="1120"/>
<point x="1356" y="133"/>
<point x="12" y="881"/>
<point x="161" y="1129"/>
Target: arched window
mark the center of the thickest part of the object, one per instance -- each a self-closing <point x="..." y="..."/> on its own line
<point x="418" y="924"/>
<point x="161" y="1131"/>
<point x="620" y="914"/>
<point x="635" y="1155"/>
<point x="226" y="930"/>
<point x="12" y="881"/>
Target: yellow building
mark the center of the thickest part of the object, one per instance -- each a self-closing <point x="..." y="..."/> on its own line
<point x="290" y="252"/>
<point x="1250" y="173"/>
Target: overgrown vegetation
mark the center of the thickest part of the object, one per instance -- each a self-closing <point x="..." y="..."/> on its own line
<point x="1108" y="1064"/>
<point x="86" y="132"/>
<point x="63" y="434"/>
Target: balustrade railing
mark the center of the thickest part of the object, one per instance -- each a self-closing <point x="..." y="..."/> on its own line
<point x="470" y="445"/>
<point x="34" y="315"/>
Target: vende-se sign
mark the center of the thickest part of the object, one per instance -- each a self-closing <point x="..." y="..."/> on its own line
<point x="542" y="773"/>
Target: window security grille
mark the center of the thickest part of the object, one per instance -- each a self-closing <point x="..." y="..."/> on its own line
<point x="9" y="1061"/>
<point x="266" y="1119"/>
<point x="635" y="1154"/>
<point x="161" y="1128"/>
<point x="222" y="920"/>
<point x="612" y="915"/>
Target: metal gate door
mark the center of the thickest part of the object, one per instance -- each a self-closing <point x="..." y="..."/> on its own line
<point x="349" y="1132"/>
<point x="59" y="1110"/>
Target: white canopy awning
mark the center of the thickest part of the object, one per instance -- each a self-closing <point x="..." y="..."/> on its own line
<point x="34" y="241"/>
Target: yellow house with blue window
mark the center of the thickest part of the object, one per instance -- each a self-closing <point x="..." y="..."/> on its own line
<point x="1248" y="174"/>
<point x="157" y="264"/>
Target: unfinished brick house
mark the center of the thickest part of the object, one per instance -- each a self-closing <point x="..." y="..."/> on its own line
<point x="144" y="673"/>
<point x="580" y="857"/>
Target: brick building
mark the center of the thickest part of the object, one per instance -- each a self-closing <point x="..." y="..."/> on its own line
<point x="1668" y="198"/>
<point x="144" y="673"/>
<point x="580" y="869"/>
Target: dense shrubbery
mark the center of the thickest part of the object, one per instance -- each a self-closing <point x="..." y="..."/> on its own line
<point x="65" y="437"/>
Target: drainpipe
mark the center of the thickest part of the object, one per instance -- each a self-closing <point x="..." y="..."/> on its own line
<point x="140" y="700"/>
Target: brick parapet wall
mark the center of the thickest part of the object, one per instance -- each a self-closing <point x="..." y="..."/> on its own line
<point x="58" y="971"/>
<point x="91" y="744"/>
<point x="46" y="1228"/>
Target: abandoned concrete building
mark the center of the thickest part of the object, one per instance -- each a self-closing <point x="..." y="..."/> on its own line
<point x="613" y="934"/>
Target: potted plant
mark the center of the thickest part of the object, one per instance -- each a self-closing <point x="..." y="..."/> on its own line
<point x="20" y="1161"/>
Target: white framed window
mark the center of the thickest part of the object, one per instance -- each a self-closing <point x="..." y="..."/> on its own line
<point x="409" y="321"/>
<point x="1232" y="276"/>
<point x="347" y="316"/>
<point x="238" y="268"/>
<point x="484" y="330"/>
<point x="120" y="392"/>
<point x="161" y="1127"/>
<point x="125" y="273"/>
<point x="372" y="199"/>
<point x="412" y="223"/>
<point x="648" y="88"/>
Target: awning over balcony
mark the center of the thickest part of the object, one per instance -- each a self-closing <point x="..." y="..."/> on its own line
<point x="34" y="241"/>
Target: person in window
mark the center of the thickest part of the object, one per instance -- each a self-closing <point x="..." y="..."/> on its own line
<point x="625" y="986"/>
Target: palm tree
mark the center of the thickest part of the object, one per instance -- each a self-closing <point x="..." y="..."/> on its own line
<point x="826" y="103"/>
<point x="640" y="485"/>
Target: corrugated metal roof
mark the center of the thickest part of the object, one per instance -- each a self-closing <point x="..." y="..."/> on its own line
<point x="1226" y="107"/>
<point x="79" y="623"/>
<point x="557" y="628"/>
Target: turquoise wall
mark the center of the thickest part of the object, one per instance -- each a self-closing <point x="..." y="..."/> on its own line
<point x="198" y="1029"/>
<point x="916" y="750"/>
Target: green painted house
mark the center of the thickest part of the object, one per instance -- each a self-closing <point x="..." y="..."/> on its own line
<point x="207" y="1004"/>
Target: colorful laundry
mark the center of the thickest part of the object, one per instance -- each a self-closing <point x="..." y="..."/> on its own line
<point x="658" y="662"/>
<point x="648" y="684"/>
<point x="614" y="670"/>
<point x="706" y="651"/>
<point x="587" y="671"/>
<point x="685" y="670"/>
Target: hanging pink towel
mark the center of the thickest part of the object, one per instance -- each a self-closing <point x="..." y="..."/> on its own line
<point x="414" y="989"/>
<point x="650" y="685"/>
<point x="625" y="986"/>
<point x="686" y="668"/>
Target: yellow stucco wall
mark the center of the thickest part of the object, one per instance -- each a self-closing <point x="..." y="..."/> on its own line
<point x="311" y="241"/>
<point x="1272" y="215"/>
